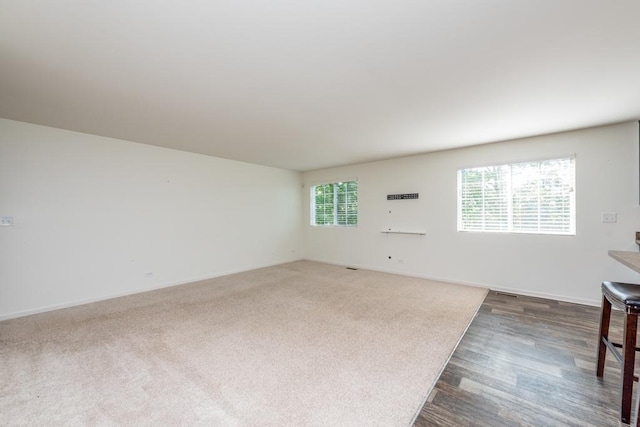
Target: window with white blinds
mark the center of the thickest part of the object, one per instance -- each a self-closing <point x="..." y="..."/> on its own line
<point x="335" y="204"/>
<point x="530" y="197"/>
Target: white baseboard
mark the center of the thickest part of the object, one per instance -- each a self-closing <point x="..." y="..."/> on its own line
<point x="45" y="309"/>
<point x="518" y="291"/>
<point x="563" y="298"/>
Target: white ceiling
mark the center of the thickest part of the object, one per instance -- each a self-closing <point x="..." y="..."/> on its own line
<point x="309" y="84"/>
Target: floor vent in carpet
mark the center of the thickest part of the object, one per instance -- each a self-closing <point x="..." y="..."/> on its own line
<point x="351" y="268"/>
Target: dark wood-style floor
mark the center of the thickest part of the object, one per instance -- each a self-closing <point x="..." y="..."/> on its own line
<point x="527" y="362"/>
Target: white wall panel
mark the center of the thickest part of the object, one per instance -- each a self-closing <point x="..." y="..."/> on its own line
<point x="564" y="267"/>
<point x="98" y="217"/>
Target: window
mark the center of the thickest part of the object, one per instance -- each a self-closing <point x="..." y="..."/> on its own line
<point x="335" y="204"/>
<point x="531" y="197"/>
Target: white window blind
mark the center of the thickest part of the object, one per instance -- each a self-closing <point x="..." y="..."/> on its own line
<point x="530" y="197"/>
<point x="335" y="204"/>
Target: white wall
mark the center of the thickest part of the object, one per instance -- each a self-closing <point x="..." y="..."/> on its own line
<point x="94" y="215"/>
<point x="562" y="267"/>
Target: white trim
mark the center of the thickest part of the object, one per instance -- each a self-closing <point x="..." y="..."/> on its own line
<point x="523" y="160"/>
<point x="330" y="181"/>
<point x="45" y="309"/>
<point x="518" y="291"/>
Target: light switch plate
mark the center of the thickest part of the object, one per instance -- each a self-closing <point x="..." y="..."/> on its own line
<point x="609" y="217"/>
<point x="6" y="221"/>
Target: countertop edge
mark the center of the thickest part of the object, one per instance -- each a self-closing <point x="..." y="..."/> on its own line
<point x="628" y="258"/>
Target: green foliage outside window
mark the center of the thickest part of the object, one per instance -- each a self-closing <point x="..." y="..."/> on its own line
<point x="335" y="204"/>
<point x="530" y="197"/>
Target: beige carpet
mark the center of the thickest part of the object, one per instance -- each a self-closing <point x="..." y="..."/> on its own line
<point x="299" y="344"/>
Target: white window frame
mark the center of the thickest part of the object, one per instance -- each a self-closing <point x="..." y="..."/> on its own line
<point x="312" y="204"/>
<point x="508" y="226"/>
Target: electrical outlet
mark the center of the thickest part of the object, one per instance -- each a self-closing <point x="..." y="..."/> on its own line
<point x="149" y="274"/>
<point x="609" y="217"/>
<point x="6" y="221"/>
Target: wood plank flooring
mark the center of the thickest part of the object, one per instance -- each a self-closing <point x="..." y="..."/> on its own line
<point x="527" y="361"/>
